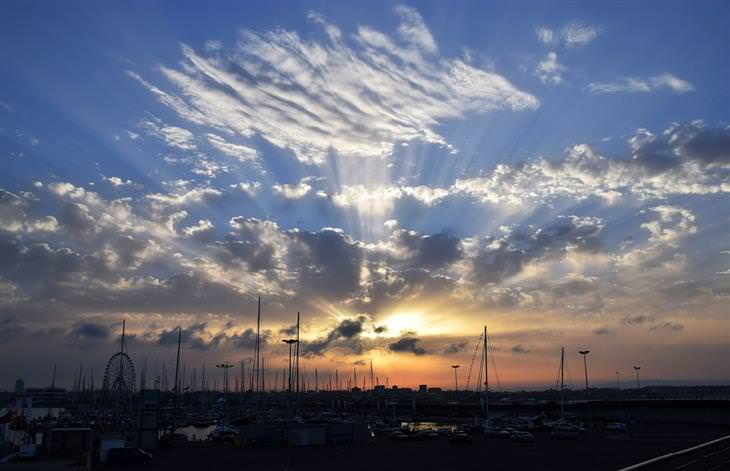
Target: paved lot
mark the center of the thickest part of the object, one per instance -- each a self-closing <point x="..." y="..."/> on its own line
<point x="594" y="451"/>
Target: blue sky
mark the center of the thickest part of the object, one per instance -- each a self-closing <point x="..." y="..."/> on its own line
<point x="559" y="169"/>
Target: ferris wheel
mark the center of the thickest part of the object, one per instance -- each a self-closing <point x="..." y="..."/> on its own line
<point x="119" y="374"/>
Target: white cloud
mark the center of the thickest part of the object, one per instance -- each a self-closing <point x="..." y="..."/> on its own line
<point x="545" y="35"/>
<point x="173" y="136"/>
<point x="117" y="181"/>
<point x="571" y="35"/>
<point x="296" y="191"/>
<point x="251" y="188"/>
<point x="413" y="30"/>
<point x="240" y="152"/>
<point x="549" y="70"/>
<point x="317" y="97"/>
<point x="636" y="85"/>
<point x="194" y="196"/>
<point x="577" y="34"/>
<point x="203" y="226"/>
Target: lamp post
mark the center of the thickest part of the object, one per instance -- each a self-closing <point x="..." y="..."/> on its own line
<point x="456" y="379"/>
<point x="638" y="384"/>
<point x="585" y="365"/>
<point x="289" y="342"/>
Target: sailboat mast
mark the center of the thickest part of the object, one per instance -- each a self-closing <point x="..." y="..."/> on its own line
<point x="177" y="368"/>
<point x="562" y="382"/>
<point x="257" y="347"/>
<point x="296" y="356"/>
<point x="486" y="376"/>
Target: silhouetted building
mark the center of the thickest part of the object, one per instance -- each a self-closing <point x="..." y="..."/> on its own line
<point x="19" y="386"/>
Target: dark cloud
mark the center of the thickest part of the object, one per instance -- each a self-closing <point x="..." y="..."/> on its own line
<point x="350" y="328"/>
<point x="506" y="257"/>
<point x="78" y="221"/>
<point x="10" y="329"/>
<point x="12" y="211"/>
<point x="128" y="250"/>
<point x="429" y="252"/>
<point x="709" y="145"/>
<point x="328" y="263"/>
<point x="290" y="331"/>
<point x="455" y="348"/>
<point x="407" y="344"/>
<point x="602" y="331"/>
<point x="520" y="349"/>
<point x="667" y="326"/>
<point x="345" y="335"/>
<point x="191" y="337"/>
<point x="247" y="339"/>
<point x="379" y="329"/>
<point x="90" y="331"/>
<point x="637" y="320"/>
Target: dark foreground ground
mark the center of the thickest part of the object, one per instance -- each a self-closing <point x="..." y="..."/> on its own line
<point x="593" y="451"/>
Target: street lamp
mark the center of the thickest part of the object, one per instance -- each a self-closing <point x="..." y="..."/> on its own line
<point x="638" y="384"/>
<point x="585" y="365"/>
<point x="456" y="380"/>
<point x="289" y="342"/>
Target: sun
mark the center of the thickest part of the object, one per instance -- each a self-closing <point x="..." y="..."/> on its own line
<point x="401" y="322"/>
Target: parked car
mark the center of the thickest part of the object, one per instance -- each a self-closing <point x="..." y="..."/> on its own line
<point x="460" y="438"/>
<point x="564" y="434"/>
<point x="616" y="427"/>
<point x="399" y="437"/>
<point x="522" y="437"/>
<point x="128" y="457"/>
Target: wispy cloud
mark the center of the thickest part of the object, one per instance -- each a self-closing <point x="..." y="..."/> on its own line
<point x="571" y="35"/>
<point x="357" y="98"/>
<point x="665" y="81"/>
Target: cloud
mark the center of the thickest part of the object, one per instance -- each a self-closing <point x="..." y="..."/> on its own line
<point x="545" y="35"/>
<point x="173" y="136"/>
<point x="407" y="345"/>
<point x="203" y="229"/>
<point x="296" y="191"/>
<point x="237" y="151"/>
<point x="118" y="182"/>
<point x="578" y="34"/>
<point x="413" y="30"/>
<point x="84" y="332"/>
<point x="637" y="319"/>
<point x="573" y="34"/>
<point x="184" y="198"/>
<point x="666" y="326"/>
<point x="506" y="257"/>
<point x="602" y="331"/>
<point x="313" y="98"/>
<point x="549" y="70"/>
<point x="684" y="159"/>
<point x="665" y="81"/>
<point x="247" y="339"/>
<point x="344" y="335"/>
<point x="455" y="348"/>
<point x="520" y="349"/>
<point x="14" y="217"/>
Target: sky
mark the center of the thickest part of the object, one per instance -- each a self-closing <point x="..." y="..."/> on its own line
<point x="401" y="174"/>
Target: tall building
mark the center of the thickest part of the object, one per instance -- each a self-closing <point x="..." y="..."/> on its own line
<point x="19" y="386"/>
